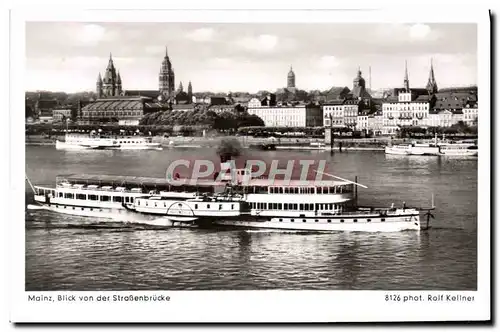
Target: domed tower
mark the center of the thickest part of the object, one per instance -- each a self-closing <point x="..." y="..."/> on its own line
<point x="432" y="87"/>
<point x="166" y="77"/>
<point x="109" y="81"/>
<point x="358" y="85"/>
<point x="98" y="86"/>
<point x="291" y="79"/>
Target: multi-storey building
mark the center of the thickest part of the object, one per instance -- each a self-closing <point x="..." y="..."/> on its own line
<point x="333" y="114"/>
<point x="301" y="115"/>
<point x="376" y="123"/>
<point x="409" y="108"/>
<point x="351" y="114"/>
<point x="470" y="114"/>
<point x="362" y="122"/>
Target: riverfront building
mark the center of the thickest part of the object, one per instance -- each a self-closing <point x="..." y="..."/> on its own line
<point x="119" y="110"/>
<point x="300" y="115"/>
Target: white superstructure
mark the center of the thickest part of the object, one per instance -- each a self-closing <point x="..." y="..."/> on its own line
<point x="72" y="141"/>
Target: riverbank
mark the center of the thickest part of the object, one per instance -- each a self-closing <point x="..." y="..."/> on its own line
<point x="348" y="144"/>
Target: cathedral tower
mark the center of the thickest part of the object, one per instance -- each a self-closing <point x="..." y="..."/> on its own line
<point x="432" y="87"/>
<point x="111" y="84"/>
<point x="166" y="78"/>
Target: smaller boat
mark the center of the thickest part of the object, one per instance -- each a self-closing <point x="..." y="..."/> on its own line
<point x="96" y="141"/>
<point x="435" y="148"/>
<point x="466" y="149"/>
<point x="420" y="149"/>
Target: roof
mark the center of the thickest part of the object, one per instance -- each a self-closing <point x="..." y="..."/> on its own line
<point x="423" y="98"/>
<point x="121" y="180"/>
<point x="146" y="93"/>
<point x="111" y="104"/>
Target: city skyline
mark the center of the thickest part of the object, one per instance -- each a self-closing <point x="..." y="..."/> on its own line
<point x="249" y="57"/>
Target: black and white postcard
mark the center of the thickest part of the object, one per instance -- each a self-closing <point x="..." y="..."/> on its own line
<point x="250" y="165"/>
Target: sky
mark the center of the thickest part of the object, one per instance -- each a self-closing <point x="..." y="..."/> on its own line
<point x="68" y="56"/>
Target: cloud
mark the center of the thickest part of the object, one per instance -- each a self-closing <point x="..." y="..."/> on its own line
<point x="262" y="43"/>
<point x="328" y="62"/>
<point x="202" y="34"/>
<point x="419" y="31"/>
<point x="91" y="33"/>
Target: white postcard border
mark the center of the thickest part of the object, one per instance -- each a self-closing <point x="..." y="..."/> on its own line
<point x="248" y="306"/>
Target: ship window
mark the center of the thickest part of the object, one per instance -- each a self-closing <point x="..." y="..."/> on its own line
<point x="301" y="206"/>
<point x="68" y="195"/>
<point x="311" y="206"/>
<point x="383" y="219"/>
<point x="117" y="199"/>
<point x="81" y="196"/>
<point x="303" y="220"/>
<point x="220" y="206"/>
<point x="355" y="220"/>
<point x="195" y="206"/>
<point x="281" y="220"/>
<point x="329" y="220"/>
<point x="296" y="190"/>
<point x="280" y="206"/>
<point x="155" y="204"/>
<point x="295" y="206"/>
<point x="232" y="206"/>
<point x="286" y="206"/>
<point x="208" y="206"/>
<point x="341" y="220"/>
<point x="331" y="206"/>
<point x="316" y="220"/>
<point x="146" y="203"/>
<point x="104" y="198"/>
<point x="368" y="220"/>
<point x="138" y="202"/>
<point x="292" y="220"/>
<point x="93" y="197"/>
<point x="60" y="194"/>
<point x="126" y="200"/>
<point x="325" y="190"/>
<point x="164" y="204"/>
<point x="281" y="190"/>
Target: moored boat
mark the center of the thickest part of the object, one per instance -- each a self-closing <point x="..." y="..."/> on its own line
<point x="76" y="141"/>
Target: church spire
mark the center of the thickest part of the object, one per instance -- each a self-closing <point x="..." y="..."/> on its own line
<point x="406" y="80"/>
<point x="431" y="83"/>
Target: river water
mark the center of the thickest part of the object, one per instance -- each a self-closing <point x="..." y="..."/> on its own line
<point x="75" y="253"/>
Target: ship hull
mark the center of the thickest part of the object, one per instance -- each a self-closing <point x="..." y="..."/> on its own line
<point x="354" y="223"/>
<point x="393" y="224"/>
<point x="115" y="215"/>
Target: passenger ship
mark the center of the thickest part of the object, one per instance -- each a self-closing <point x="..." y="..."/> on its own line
<point x="462" y="148"/>
<point x="75" y="141"/>
<point x="238" y="201"/>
